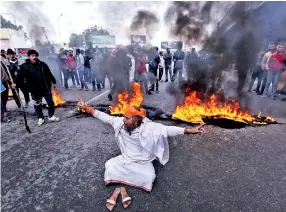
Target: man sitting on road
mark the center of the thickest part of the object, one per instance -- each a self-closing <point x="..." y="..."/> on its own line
<point x="140" y="141"/>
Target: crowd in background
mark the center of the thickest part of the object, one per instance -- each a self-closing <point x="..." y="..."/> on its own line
<point x="89" y="69"/>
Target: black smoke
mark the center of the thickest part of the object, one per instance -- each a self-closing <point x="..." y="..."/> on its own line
<point x="33" y="18"/>
<point x="239" y="45"/>
<point x="188" y="20"/>
<point x="146" y="21"/>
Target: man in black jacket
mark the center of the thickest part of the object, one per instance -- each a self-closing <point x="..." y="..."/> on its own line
<point x="36" y="77"/>
<point x="154" y="60"/>
<point x="168" y="56"/>
<point x="14" y="69"/>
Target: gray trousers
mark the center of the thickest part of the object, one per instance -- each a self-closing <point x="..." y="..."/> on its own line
<point x="272" y="77"/>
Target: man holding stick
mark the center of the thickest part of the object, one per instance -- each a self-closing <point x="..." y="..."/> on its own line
<point x="36" y="76"/>
<point x="140" y="141"/>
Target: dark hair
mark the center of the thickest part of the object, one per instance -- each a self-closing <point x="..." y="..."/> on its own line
<point x="10" y="51"/>
<point x="77" y="51"/>
<point x="32" y="51"/>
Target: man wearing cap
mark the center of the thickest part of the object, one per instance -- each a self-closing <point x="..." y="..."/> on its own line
<point x="14" y="69"/>
<point x="140" y="141"/>
<point x="37" y="78"/>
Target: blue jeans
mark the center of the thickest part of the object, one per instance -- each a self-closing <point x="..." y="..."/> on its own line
<point x="83" y="76"/>
<point x="272" y="77"/>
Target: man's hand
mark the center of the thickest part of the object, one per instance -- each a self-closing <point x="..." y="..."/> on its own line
<point x="13" y="86"/>
<point x="85" y="107"/>
<point x="195" y="130"/>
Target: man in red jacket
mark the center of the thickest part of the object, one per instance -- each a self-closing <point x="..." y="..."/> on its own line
<point x="72" y="69"/>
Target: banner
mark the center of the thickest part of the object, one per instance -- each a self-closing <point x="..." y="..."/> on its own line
<point x="170" y="44"/>
<point x="139" y="39"/>
<point x="103" y="40"/>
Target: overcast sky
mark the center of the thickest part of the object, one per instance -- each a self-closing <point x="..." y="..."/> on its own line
<point x="77" y="16"/>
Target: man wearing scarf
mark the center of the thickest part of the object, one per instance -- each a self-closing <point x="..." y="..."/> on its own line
<point x="140" y="141"/>
<point x="275" y="67"/>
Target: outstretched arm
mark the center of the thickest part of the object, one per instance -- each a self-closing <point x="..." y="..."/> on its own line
<point x="97" y="114"/>
<point x="173" y="131"/>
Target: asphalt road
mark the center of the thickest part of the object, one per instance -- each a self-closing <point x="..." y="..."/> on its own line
<point x="60" y="166"/>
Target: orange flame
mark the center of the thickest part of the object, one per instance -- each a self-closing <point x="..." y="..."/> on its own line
<point x="57" y="98"/>
<point x="194" y="109"/>
<point x="135" y="99"/>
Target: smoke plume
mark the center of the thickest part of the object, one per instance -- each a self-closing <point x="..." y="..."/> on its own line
<point x="189" y="20"/>
<point x="146" y="21"/>
<point x="33" y="18"/>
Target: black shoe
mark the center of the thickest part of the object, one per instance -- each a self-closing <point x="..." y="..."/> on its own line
<point x="166" y="80"/>
<point x="93" y="89"/>
<point x="109" y="97"/>
<point x="149" y="93"/>
<point x="157" y="91"/>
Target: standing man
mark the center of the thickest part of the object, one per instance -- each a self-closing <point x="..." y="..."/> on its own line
<point x="36" y="76"/>
<point x="72" y="69"/>
<point x="257" y="73"/>
<point x="168" y="56"/>
<point x="64" y="66"/>
<point x="274" y="67"/>
<point x="178" y="59"/>
<point x="192" y="65"/>
<point x="14" y="69"/>
<point x="21" y="59"/>
<point x="271" y="50"/>
<point x="87" y="67"/>
<point x="81" y="71"/>
<point x="95" y="73"/>
<point x="154" y="61"/>
<point x="5" y="79"/>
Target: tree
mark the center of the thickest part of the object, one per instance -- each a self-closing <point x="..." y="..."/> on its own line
<point x="86" y="36"/>
<point x="76" y="40"/>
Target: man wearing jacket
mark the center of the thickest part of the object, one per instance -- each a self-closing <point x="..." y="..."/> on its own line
<point x="37" y="78"/>
<point x="168" y="56"/>
<point x="14" y="69"/>
<point x="5" y="79"/>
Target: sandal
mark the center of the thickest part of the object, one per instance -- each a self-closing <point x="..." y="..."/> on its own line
<point x="126" y="200"/>
<point x="111" y="202"/>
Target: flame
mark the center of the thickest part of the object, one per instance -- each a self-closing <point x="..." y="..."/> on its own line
<point x="57" y="98"/>
<point x="194" y="109"/>
<point x="135" y="99"/>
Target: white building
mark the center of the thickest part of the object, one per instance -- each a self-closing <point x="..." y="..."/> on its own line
<point x="12" y="39"/>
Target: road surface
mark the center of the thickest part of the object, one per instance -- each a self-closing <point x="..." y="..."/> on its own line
<point x="60" y="166"/>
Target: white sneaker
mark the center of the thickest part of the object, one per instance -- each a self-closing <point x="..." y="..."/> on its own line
<point x="41" y="122"/>
<point x="53" y="118"/>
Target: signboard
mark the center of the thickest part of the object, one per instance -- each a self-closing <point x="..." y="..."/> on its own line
<point x="141" y="39"/>
<point x="170" y="44"/>
<point x="22" y="50"/>
<point x="103" y="40"/>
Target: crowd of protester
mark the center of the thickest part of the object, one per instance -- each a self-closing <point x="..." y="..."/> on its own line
<point x="89" y="69"/>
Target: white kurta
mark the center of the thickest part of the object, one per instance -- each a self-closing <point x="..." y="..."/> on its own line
<point x="134" y="166"/>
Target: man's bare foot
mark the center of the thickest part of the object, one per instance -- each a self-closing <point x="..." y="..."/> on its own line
<point x="111" y="202"/>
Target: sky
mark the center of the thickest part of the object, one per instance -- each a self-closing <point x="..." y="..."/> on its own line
<point x="77" y="16"/>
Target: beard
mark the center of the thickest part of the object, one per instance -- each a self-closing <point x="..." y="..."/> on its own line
<point x="129" y="128"/>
